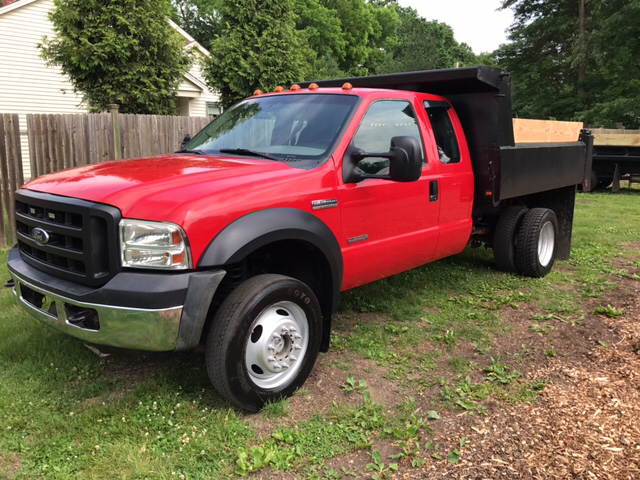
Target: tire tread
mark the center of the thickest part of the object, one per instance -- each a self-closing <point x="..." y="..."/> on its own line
<point x="527" y="243"/>
<point x="220" y="332"/>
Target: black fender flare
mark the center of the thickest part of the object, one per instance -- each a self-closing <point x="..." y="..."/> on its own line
<point x="255" y="230"/>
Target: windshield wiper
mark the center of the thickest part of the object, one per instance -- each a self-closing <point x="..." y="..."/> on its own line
<point x="197" y="152"/>
<point x="246" y="151"/>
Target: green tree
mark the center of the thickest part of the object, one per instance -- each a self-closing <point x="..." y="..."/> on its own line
<point x="367" y="29"/>
<point x="424" y="45"/>
<point x="257" y="47"/>
<point x="614" y="86"/>
<point x="542" y="56"/>
<point x="323" y="33"/>
<point x="121" y="51"/>
<point x="199" y="18"/>
<point x="575" y="60"/>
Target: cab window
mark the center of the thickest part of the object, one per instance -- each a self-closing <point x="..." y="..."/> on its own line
<point x="445" y="135"/>
<point x="384" y="120"/>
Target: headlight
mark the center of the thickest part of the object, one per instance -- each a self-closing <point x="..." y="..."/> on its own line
<point x="153" y="245"/>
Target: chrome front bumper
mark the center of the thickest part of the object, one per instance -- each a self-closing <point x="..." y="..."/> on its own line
<point x="125" y="327"/>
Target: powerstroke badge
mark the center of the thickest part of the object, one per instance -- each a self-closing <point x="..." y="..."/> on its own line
<point x="322" y="204"/>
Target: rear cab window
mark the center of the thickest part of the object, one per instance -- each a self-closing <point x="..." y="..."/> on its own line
<point x="443" y="131"/>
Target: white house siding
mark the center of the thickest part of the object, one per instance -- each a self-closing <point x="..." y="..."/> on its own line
<point x="28" y="85"/>
<point x="198" y="105"/>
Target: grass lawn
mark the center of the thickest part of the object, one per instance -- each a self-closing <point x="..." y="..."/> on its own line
<point x="409" y="354"/>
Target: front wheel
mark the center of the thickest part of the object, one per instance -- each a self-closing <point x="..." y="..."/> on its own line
<point x="264" y="340"/>
<point x="536" y="242"/>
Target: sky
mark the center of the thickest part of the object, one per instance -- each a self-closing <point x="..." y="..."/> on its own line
<point x="474" y="22"/>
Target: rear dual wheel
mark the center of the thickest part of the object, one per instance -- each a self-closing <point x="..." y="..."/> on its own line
<point x="525" y="241"/>
<point x="264" y="340"/>
<point x="536" y="243"/>
<point x="504" y="238"/>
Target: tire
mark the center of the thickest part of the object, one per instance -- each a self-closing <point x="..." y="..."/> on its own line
<point x="504" y="238"/>
<point x="536" y="243"/>
<point x="264" y="340"/>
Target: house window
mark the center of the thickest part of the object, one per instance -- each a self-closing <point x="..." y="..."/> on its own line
<point x="213" y="110"/>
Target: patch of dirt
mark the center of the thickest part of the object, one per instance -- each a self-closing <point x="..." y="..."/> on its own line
<point x="584" y="424"/>
<point x="323" y="388"/>
<point x="9" y="466"/>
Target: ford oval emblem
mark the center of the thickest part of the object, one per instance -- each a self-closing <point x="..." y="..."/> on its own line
<point x="40" y="236"/>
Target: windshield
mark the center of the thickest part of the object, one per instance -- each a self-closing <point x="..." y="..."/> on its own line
<point x="280" y="127"/>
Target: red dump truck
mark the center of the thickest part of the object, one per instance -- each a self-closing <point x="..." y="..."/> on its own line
<point x="245" y="238"/>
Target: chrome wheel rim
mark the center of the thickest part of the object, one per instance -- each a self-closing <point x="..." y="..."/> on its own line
<point x="276" y="345"/>
<point x="546" y="244"/>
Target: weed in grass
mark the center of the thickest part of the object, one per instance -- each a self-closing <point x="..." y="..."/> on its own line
<point x="527" y="391"/>
<point x="460" y="365"/>
<point x="481" y="348"/>
<point x="275" y="409"/>
<point x="408" y="449"/>
<point x="545" y="317"/>
<point x="433" y="415"/>
<point x="331" y="474"/>
<point x="500" y="373"/>
<point x="258" y="457"/>
<point x="338" y="342"/>
<point x="380" y="469"/>
<point x="395" y="329"/>
<point x="448" y="338"/>
<point x="609" y="311"/>
<point x="350" y="473"/>
<point x="352" y="386"/>
<point x="465" y="395"/>
<point x="409" y="429"/>
<point x="541" y="329"/>
<point x="427" y="361"/>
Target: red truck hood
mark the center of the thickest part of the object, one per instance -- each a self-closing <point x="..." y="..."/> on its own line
<point x="159" y="183"/>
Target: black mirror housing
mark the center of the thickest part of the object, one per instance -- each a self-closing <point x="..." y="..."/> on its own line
<point x="185" y="140"/>
<point x="406" y="163"/>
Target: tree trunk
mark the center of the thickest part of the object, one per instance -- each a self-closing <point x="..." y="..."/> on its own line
<point x="582" y="51"/>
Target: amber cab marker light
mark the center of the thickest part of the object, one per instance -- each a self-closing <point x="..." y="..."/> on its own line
<point x="295" y="87"/>
<point x="279" y="89"/>
<point x="258" y="92"/>
<point x="347" y="86"/>
<point x="313" y="86"/>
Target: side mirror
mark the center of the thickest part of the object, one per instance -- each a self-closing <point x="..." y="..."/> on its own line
<point x="185" y="140"/>
<point x="405" y="162"/>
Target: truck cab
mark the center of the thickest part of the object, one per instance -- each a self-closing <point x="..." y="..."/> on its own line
<point x="244" y="239"/>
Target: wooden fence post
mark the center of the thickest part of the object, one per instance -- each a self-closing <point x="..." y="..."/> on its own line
<point x="10" y="165"/>
<point x="115" y="123"/>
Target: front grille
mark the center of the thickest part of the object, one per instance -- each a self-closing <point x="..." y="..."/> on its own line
<point x="69" y="238"/>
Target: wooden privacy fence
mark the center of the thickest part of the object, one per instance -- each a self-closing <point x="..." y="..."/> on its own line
<point x="57" y="142"/>
<point x="11" y="175"/>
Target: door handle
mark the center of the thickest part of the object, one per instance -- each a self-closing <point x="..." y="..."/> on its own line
<point x="433" y="191"/>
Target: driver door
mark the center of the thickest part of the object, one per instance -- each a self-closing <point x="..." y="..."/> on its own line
<point x="387" y="227"/>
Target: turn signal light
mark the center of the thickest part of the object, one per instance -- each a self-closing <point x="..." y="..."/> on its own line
<point x="313" y="86"/>
<point x="347" y="86"/>
<point x="295" y="87"/>
<point x="279" y="89"/>
<point x="258" y="92"/>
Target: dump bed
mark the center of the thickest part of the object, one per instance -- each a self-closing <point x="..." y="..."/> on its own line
<point x="482" y="98"/>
